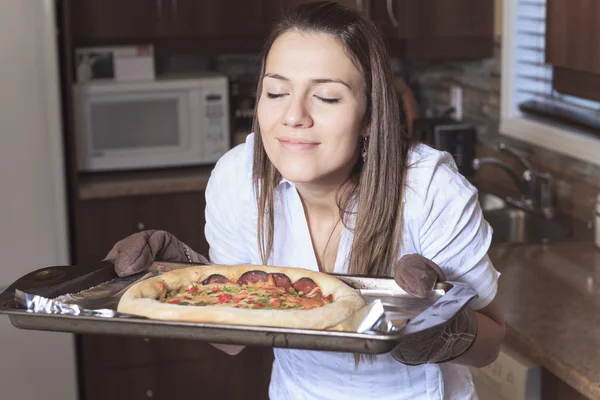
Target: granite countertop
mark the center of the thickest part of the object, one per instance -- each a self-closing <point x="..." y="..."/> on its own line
<point x="550" y="295"/>
<point x="137" y="183"/>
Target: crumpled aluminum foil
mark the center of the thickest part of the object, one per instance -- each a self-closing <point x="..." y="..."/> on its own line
<point x="384" y="316"/>
<point x="100" y="301"/>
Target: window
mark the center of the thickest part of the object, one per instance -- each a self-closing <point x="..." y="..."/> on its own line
<point x="531" y="110"/>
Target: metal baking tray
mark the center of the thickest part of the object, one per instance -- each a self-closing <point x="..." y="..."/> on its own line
<point x="56" y="281"/>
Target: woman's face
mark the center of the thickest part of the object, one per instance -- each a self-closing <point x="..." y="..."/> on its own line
<point x="311" y="109"/>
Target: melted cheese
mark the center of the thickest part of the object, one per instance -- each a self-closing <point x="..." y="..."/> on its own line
<point x="261" y="295"/>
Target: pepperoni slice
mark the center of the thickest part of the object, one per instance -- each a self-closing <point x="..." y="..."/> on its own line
<point x="281" y="280"/>
<point x="305" y="285"/>
<point x="253" y="277"/>
<point x="215" y="278"/>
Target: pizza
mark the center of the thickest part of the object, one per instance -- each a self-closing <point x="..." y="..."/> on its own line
<point x="244" y="295"/>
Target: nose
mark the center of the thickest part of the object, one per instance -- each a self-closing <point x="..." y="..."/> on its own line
<point x="297" y="114"/>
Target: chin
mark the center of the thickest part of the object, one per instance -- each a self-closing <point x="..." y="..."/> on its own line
<point x="298" y="176"/>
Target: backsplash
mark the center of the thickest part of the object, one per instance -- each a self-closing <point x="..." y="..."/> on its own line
<point x="577" y="182"/>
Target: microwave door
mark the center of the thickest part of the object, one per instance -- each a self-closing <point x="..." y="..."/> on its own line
<point x="138" y="130"/>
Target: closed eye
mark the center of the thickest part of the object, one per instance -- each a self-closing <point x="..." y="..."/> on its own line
<point x="275" y="95"/>
<point x="328" y="100"/>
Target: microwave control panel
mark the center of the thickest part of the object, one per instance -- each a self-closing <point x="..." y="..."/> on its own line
<point x="216" y="118"/>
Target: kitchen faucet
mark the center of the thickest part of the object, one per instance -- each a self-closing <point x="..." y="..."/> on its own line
<point x="526" y="182"/>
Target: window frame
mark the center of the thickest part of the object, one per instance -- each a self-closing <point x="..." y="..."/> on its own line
<point x="566" y="140"/>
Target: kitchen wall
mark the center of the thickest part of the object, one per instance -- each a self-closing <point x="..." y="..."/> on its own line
<point x="577" y="182"/>
<point x="33" y="232"/>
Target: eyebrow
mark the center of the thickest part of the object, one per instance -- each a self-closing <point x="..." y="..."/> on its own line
<point x="316" y="80"/>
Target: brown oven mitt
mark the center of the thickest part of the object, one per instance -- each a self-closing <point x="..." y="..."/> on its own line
<point x="418" y="275"/>
<point x="137" y="252"/>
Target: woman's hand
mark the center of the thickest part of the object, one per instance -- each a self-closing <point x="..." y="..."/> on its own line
<point x="137" y="252"/>
<point x="471" y="337"/>
<point x="417" y="275"/>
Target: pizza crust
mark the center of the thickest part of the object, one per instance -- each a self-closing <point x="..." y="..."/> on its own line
<point x="140" y="299"/>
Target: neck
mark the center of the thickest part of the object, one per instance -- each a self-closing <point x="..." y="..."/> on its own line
<point x="319" y="200"/>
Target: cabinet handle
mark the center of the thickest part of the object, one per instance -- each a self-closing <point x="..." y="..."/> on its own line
<point x="141" y="226"/>
<point x="391" y="14"/>
<point x="149" y="394"/>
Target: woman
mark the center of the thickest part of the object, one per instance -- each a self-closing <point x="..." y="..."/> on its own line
<point x="342" y="190"/>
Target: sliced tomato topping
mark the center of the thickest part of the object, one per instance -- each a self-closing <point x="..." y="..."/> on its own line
<point x="276" y="303"/>
<point x="224" y="298"/>
<point x="250" y="301"/>
<point x="176" y="301"/>
<point x="237" y="299"/>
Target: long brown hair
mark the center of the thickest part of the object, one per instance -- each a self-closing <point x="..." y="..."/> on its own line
<point x="376" y="185"/>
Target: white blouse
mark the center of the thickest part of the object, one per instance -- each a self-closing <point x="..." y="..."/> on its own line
<point x="442" y="221"/>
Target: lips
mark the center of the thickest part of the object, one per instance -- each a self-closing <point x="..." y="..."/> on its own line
<point x="297" y="144"/>
<point x="294" y="140"/>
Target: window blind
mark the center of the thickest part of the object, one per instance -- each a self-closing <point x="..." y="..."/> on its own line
<point x="533" y="77"/>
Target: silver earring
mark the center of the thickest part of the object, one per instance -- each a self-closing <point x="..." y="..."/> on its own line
<point x="364" y="149"/>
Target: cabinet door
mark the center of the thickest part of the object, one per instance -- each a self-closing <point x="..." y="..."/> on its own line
<point x="390" y="17"/>
<point x="115" y="367"/>
<point x="449" y="19"/>
<point x="103" y="222"/>
<point x="441" y="29"/>
<point x="572" y="35"/>
<point x="216" y="18"/>
<point x="97" y="21"/>
<point x="181" y="214"/>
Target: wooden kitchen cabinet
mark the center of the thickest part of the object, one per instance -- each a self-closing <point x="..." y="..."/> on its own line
<point x="116" y="20"/>
<point x="131" y="368"/>
<point x="436" y="29"/>
<point x="217" y="18"/>
<point x="103" y="222"/>
<point x="106" y="22"/>
<point x="413" y="29"/>
<point x="424" y="29"/>
<point x="572" y="34"/>
<point x="571" y="47"/>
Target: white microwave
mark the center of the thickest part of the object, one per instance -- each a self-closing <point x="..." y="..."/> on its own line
<point x="151" y="124"/>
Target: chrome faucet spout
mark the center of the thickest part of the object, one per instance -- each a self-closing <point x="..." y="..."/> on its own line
<point x="527" y="182"/>
<point x="529" y="174"/>
<point x="517" y="179"/>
